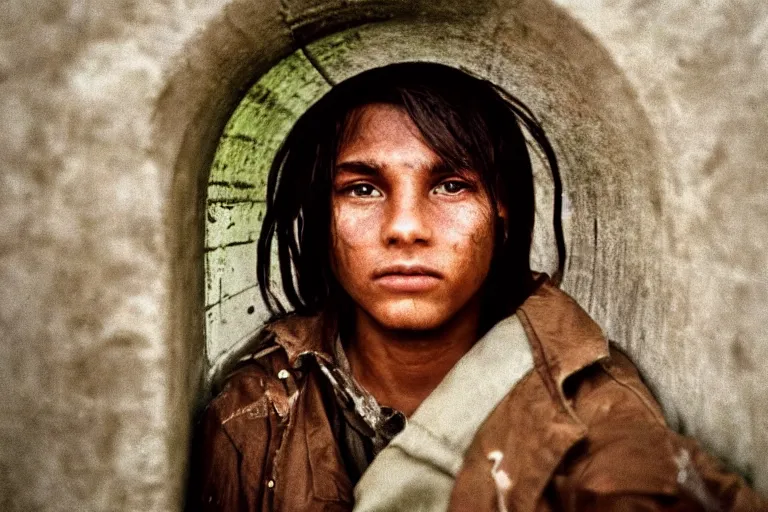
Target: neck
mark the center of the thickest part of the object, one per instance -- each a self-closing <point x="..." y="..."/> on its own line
<point x="401" y="368"/>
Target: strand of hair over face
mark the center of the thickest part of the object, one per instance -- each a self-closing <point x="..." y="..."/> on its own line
<point x="534" y="128"/>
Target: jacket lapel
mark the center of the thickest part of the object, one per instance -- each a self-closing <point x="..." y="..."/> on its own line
<point x="519" y="447"/>
<point x="563" y="337"/>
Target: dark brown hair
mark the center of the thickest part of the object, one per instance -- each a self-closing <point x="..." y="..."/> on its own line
<point x="469" y="122"/>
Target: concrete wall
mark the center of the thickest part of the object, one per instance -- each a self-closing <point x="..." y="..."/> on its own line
<point x="112" y="114"/>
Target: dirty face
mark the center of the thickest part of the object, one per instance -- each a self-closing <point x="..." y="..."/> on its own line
<point x="412" y="239"/>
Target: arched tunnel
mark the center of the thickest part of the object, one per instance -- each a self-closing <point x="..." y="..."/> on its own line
<point x="135" y="180"/>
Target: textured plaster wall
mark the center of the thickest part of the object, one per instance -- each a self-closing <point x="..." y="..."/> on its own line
<point x="87" y="402"/>
<point x="700" y="70"/>
<point x="111" y="116"/>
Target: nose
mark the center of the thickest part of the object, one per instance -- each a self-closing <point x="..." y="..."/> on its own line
<point x="407" y="220"/>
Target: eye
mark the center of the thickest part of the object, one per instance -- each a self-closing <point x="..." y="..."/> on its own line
<point x="362" y="190"/>
<point x="450" y="187"/>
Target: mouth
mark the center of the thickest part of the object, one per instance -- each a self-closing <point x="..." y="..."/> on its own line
<point x="407" y="278"/>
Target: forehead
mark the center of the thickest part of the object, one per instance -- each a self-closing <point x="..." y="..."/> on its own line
<point x="385" y="134"/>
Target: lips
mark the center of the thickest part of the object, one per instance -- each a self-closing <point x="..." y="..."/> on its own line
<point x="407" y="278"/>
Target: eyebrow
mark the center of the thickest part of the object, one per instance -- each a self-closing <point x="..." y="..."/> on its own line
<point x="373" y="168"/>
<point x="365" y="167"/>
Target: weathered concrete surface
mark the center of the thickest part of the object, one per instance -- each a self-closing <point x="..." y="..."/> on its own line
<point x="112" y="114"/>
<point x="88" y="407"/>
<point x="700" y="70"/>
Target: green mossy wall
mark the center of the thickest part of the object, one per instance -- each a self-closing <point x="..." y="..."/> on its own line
<point x="235" y="200"/>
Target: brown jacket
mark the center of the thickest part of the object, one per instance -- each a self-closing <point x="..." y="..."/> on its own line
<point x="580" y="432"/>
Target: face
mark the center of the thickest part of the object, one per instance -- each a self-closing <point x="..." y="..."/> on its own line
<point x="412" y="240"/>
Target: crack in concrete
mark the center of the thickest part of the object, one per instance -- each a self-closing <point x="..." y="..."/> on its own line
<point x="318" y="67"/>
<point x="230" y="244"/>
<point x="286" y="15"/>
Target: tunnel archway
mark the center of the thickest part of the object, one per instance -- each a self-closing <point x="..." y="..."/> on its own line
<point x="594" y="144"/>
<point x="609" y="158"/>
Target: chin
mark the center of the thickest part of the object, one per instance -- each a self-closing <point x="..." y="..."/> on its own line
<point x="410" y="315"/>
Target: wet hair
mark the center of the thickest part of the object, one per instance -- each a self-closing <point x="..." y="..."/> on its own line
<point x="468" y="122"/>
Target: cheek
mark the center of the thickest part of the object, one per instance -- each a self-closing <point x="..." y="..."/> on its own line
<point x="353" y="233"/>
<point x="468" y="230"/>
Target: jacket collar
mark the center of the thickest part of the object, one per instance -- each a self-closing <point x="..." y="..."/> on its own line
<point x="564" y="340"/>
<point x="563" y="337"/>
<point x="303" y="335"/>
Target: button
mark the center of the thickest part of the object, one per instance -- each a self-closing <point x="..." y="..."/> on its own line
<point x="271" y="484"/>
<point x="283" y="374"/>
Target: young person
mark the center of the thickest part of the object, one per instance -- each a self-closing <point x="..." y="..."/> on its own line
<point x="419" y="363"/>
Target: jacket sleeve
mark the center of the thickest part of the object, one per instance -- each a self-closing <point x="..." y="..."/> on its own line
<point x="653" y="471"/>
<point x="631" y="460"/>
<point x="214" y="478"/>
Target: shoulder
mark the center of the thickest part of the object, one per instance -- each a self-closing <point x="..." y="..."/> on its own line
<point x="260" y="380"/>
<point x="236" y="433"/>
<point x="630" y="451"/>
<point x="240" y="433"/>
<point x="612" y="390"/>
<point x="236" y="436"/>
<point x="628" y="447"/>
<point x="252" y="389"/>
